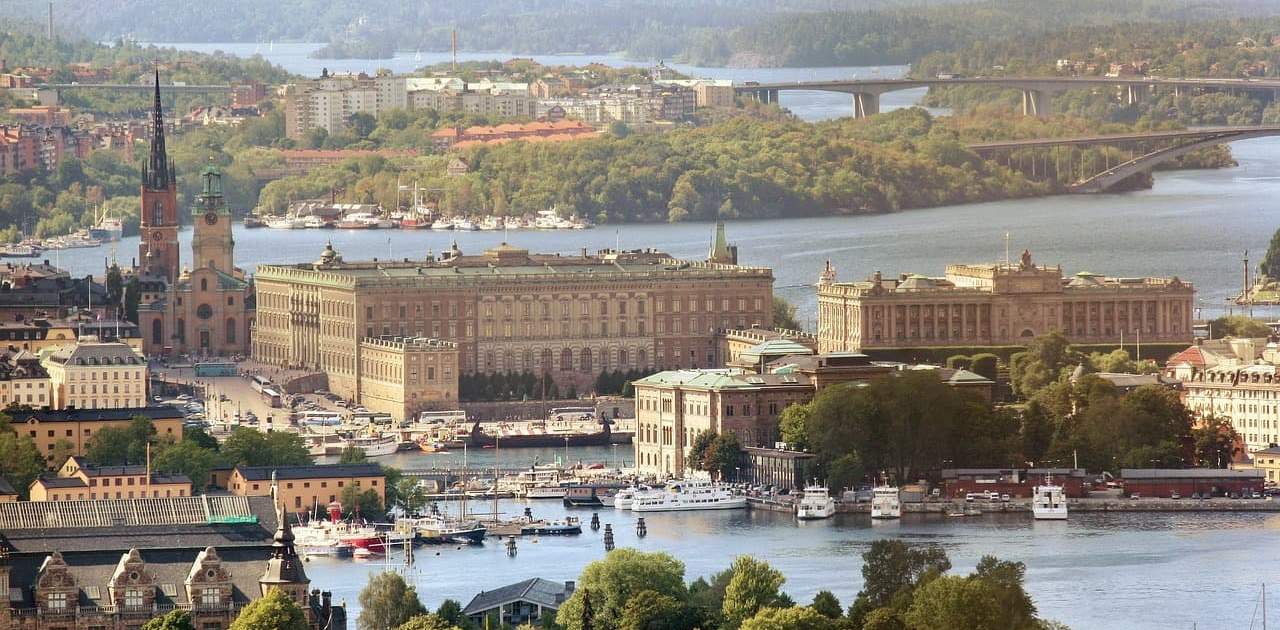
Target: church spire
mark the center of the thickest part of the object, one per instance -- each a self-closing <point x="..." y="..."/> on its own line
<point x="157" y="174"/>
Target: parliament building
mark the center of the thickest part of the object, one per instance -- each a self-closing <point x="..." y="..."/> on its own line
<point x="505" y="310"/>
<point x="999" y="305"/>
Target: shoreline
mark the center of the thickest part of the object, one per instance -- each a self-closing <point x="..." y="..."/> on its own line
<point x="1022" y="506"/>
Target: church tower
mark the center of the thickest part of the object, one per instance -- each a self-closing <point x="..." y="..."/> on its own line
<point x="212" y="244"/>
<point x="284" y="569"/>
<point x="158" y="246"/>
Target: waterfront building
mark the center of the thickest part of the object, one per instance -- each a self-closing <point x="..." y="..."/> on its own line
<point x="93" y="374"/>
<point x="1015" y="482"/>
<point x="75" y="427"/>
<point x="540" y="131"/>
<point x="1002" y="304"/>
<point x="1163" y="482"/>
<point x="119" y="563"/>
<point x="79" y="480"/>
<point x="1235" y="379"/>
<point x="526" y="602"/>
<point x="1268" y="461"/>
<point x="777" y="467"/>
<point x="507" y="310"/>
<point x="717" y="93"/>
<point x="307" y="487"/>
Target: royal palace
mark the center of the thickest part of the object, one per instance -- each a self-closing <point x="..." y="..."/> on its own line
<point x="505" y="310"/>
<point x="999" y="305"/>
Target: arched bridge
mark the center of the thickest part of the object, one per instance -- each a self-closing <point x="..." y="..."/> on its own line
<point x="1036" y="91"/>
<point x="1147" y="149"/>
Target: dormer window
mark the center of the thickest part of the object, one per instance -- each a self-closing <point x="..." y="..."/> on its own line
<point x="56" y="602"/>
<point x="210" y="597"/>
<point x="133" y="598"/>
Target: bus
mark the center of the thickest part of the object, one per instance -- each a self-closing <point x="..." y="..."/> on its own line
<point x="216" y="368"/>
<point x="272" y="397"/>
<point x="259" y="383"/>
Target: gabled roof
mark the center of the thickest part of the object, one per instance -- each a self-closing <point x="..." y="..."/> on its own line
<point x="85" y="415"/>
<point x="546" y="593"/>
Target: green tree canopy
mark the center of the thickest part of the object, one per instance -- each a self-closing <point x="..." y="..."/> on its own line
<point x="1238" y="326"/>
<point x="754" y="585"/>
<point x="892" y="570"/>
<point x="428" y="621"/>
<point x="613" y="581"/>
<point x="250" y="447"/>
<point x="118" y="446"/>
<point x="784" y="314"/>
<point x="649" y="610"/>
<point x="792" y="618"/>
<point x="22" y="461"/>
<point x="172" y="620"/>
<point x="826" y="603"/>
<point x="275" y="611"/>
<point x="387" y="602"/>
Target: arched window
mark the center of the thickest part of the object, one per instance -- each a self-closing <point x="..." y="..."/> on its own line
<point x="488" y="360"/>
<point x="204" y="284"/>
<point x="566" y="360"/>
<point x="157" y="332"/>
<point x="586" y="360"/>
<point x="622" y="357"/>
<point x="528" y="360"/>
<point x="545" y="361"/>
<point x="157" y="213"/>
<point x="231" y="330"/>
<point x="642" y="358"/>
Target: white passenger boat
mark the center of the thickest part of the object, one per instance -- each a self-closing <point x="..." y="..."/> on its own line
<point x="886" y="503"/>
<point x="816" y="503"/>
<point x="376" y="445"/>
<point x="442" y="224"/>
<point x="285" y="223"/>
<point x="1048" y="501"/>
<point x="689" y="494"/>
<point x="464" y="224"/>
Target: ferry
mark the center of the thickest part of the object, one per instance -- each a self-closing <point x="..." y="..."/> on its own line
<point x="590" y="495"/>
<point x="315" y="223"/>
<point x="626" y="496"/>
<point x="491" y="223"/>
<point x="107" y="228"/>
<point x="816" y="503"/>
<point x="18" y="251"/>
<point x="886" y="503"/>
<point x="376" y="445"/>
<point x="254" y="221"/>
<point x="546" y="220"/>
<point x="285" y="223"/>
<point x="689" y="494"/>
<point x="559" y="430"/>
<point x="1048" y="501"/>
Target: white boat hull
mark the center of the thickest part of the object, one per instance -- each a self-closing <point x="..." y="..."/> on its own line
<point x="1049" y="514"/>
<point x="673" y="506"/>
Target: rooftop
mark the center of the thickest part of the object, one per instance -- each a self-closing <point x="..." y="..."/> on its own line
<point x="1189" y="473"/>
<point x="720" y="379"/>
<point x="547" y="593"/>
<point x="318" y="471"/>
<point x="88" y="415"/>
<point x="90" y="351"/>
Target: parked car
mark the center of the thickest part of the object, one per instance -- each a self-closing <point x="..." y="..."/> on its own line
<point x="1004" y="498"/>
<point x="1135" y="496"/>
<point x="1175" y="495"/>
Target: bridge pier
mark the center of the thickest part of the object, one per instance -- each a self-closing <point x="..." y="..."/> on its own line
<point x="1035" y="103"/>
<point x="865" y="104"/>
<point x="765" y="95"/>
<point x="1132" y="94"/>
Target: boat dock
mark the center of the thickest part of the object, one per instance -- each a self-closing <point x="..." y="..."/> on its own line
<point x="1024" y="506"/>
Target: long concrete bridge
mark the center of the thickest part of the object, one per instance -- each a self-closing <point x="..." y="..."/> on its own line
<point x="1036" y="91"/>
<point x="1151" y="149"/>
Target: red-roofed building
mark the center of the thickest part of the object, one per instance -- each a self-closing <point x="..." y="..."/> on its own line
<point x="547" y="131"/>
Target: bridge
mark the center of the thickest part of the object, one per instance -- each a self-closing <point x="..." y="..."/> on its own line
<point x="131" y="87"/>
<point x="1143" y="151"/>
<point x="1036" y="91"/>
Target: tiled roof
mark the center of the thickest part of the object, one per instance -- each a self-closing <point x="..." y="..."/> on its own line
<point x="319" y="471"/>
<point x="96" y="353"/>
<point x="546" y="593"/>
<point x="1189" y="473"/>
<point x="722" y="379"/>
<point x="83" y="415"/>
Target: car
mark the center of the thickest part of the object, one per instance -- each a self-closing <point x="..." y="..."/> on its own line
<point x="1195" y="495"/>
<point x="1135" y="496"/>
<point x="1255" y="495"/>
<point x="184" y="396"/>
<point x="156" y="399"/>
<point x="341" y="403"/>
<point x="1175" y="495"/>
<point x="1235" y="495"/>
<point x="1004" y="498"/>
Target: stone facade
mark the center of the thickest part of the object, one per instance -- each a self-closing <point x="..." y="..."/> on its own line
<point x="999" y="305"/>
<point x="508" y="310"/>
<point x="78" y="480"/>
<point x="404" y="375"/>
<point x="93" y="374"/>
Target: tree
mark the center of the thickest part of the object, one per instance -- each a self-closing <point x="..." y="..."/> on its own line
<point x="173" y="620"/>
<point x="754" y="585"/>
<point x="648" y="610"/>
<point x="1215" y="441"/>
<point x="784" y="314"/>
<point x="826" y="604"/>
<point x="352" y="455"/>
<point x="1238" y="325"/>
<point x="884" y="619"/>
<point x="451" y="610"/>
<point x="387" y="602"/>
<point x="985" y="364"/>
<point x="364" y="503"/>
<point x="700" y="448"/>
<point x="1042" y="363"/>
<point x="612" y="582"/>
<point x="275" y="611"/>
<point x="428" y="621"/>
<point x="250" y="447"/>
<point x="188" y="458"/>
<point x="954" y="603"/>
<point x="724" y="456"/>
<point x="792" y="426"/>
<point x="1013" y="602"/>
<point x="891" y="569"/>
<point x="22" y="461"/>
<point x="361" y="124"/>
<point x="791" y="618"/>
<point x="118" y="446"/>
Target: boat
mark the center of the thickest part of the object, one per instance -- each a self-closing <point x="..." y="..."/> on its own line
<point x="566" y="426"/>
<point x="547" y="220"/>
<point x="623" y="499"/>
<point x="314" y="222"/>
<point x="886" y="502"/>
<point x="463" y="224"/>
<point x="338" y="532"/>
<point x="80" y="239"/>
<point x="254" y="221"/>
<point x="590" y="495"/>
<point x="285" y="223"/>
<point x="689" y="494"/>
<point x="570" y="526"/>
<point x="18" y="251"/>
<point x="442" y="224"/>
<point x="491" y="223"/>
<point x="106" y="228"/>
<point x="1048" y="501"/>
<point x="375" y="445"/>
<point x="815" y="503"/>
<point x="437" y="529"/>
<point x="550" y="491"/>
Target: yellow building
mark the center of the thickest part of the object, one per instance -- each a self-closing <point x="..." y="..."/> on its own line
<point x="404" y="375"/>
<point x="78" y="480"/>
<point x="23" y="381"/>
<point x="569" y="317"/>
<point x="76" y="426"/>
<point x="307" y="487"/>
<point x="999" y="305"/>
<point x="1268" y="461"/>
<point x="93" y="374"/>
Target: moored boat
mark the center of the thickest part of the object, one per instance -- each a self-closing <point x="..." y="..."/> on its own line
<point x="816" y="503"/>
<point x="1048" y="501"/>
<point x="570" y="526"/>
<point x="686" y="495"/>
<point x="885" y="502"/>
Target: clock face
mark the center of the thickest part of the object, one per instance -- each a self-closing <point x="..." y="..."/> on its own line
<point x="157" y="235"/>
<point x="211" y="218"/>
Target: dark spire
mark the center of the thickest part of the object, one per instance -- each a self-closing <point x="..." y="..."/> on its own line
<point x="284" y="567"/>
<point x="156" y="175"/>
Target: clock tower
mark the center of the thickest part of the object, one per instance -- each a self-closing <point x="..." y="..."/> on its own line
<point x="212" y="244"/>
<point x="158" y="245"/>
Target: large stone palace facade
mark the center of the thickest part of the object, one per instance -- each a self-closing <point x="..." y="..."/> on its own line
<point x="508" y="310"/>
<point x="999" y="305"/>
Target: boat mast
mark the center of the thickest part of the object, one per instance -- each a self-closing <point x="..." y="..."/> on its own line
<point x="495" y="478"/>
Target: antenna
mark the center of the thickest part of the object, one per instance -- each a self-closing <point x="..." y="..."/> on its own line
<point x="1006" y="249"/>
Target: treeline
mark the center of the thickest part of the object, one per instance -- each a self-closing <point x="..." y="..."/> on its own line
<point x="526" y="385"/>
<point x="904" y="35"/>
<point x="742" y="168"/>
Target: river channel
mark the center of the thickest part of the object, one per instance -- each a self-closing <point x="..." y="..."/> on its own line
<point x="1094" y="571"/>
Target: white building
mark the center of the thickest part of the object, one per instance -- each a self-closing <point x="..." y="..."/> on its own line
<point x="1236" y="379"/>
